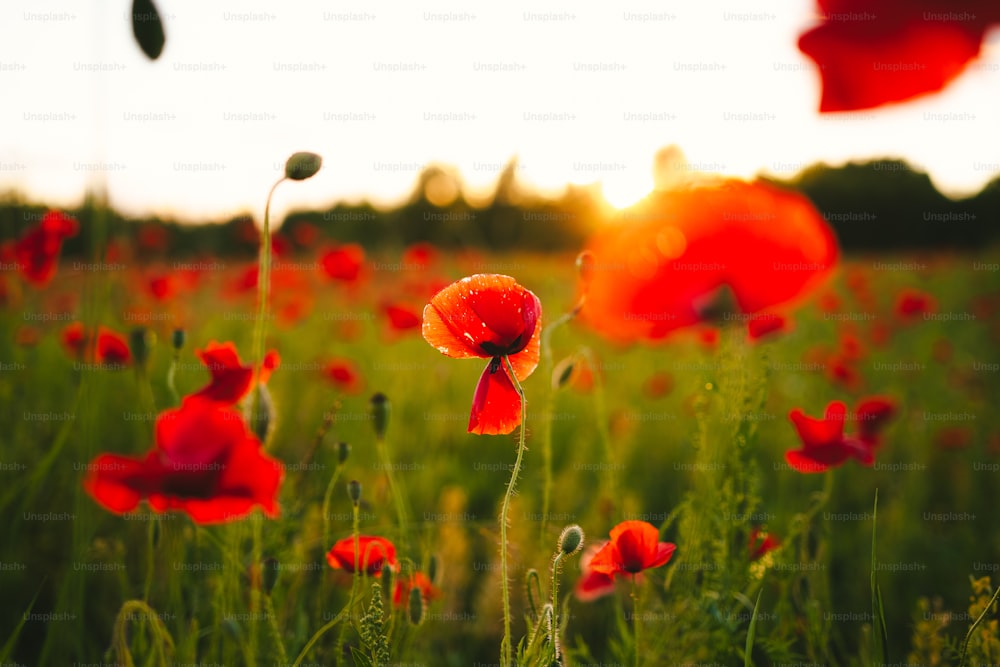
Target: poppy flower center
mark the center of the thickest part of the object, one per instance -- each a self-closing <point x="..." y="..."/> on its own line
<point x="497" y="350"/>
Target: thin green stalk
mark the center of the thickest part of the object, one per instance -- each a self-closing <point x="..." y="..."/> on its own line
<point x="344" y="613"/>
<point x="327" y="497"/>
<point x="394" y="490"/>
<point x="506" y="652"/>
<point x="636" y="619"/>
<point x="356" y="533"/>
<point x="555" y="603"/>
<point x="546" y="348"/>
<point x="975" y="624"/>
<point x="171" y="373"/>
<point x="263" y="299"/>
<point x="600" y="414"/>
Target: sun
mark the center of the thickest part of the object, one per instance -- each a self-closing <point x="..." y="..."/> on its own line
<point x="623" y="191"/>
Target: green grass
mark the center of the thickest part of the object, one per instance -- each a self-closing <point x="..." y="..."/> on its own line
<point x="703" y="462"/>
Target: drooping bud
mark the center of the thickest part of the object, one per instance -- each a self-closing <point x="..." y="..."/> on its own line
<point x="263" y="426"/>
<point x="303" y="165"/>
<point x="141" y="341"/>
<point x="585" y="267"/>
<point x="432" y="568"/>
<point x="380" y="414"/>
<point x="343" y="451"/>
<point x="354" y="491"/>
<point x="563" y="372"/>
<point x="178" y="339"/>
<point x="416" y="607"/>
<point x="269" y="574"/>
<point x="571" y="539"/>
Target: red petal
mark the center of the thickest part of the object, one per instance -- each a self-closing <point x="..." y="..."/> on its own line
<point x="230" y="378"/>
<point x="820" y="432"/>
<point x="496" y="405"/>
<point x="873" y="413"/>
<point x="373" y="552"/>
<point x="885" y="58"/>
<point x="801" y="462"/>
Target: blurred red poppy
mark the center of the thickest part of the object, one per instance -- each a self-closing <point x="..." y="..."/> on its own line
<point x="592" y="585"/>
<point x="766" y="324"/>
<point x="401" y="592"/>
<point x="488" y="316"/>
<point x="635" y="546"/>
<point x="112" y="347"/>
<point x="37" y="251"/>
<point x="824" y="444"/>
<point x="344" y="262"/>
<point x="401" y="316"/>
<point x="374" y="552"/>
<point x="205" y="463"/>
<point x="162" y="287"/>
<point x="874" y="52"/>
<point x="344" y="375"/>
<point x="695" y="251"/>
<point x="761" y="543"/>
<point x="231" y="379"/>
<point x="420" y="255"/>
<point x="913" y="304"/>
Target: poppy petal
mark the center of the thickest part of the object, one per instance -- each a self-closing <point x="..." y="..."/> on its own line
<point x="496" y="405"/>
<point x="818" y="432"/>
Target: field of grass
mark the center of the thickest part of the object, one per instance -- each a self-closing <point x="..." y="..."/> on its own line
<point x="688" y="435"/>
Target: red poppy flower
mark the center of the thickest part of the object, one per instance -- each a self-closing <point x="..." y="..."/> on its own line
<point x="491" y="317"/>
<point x="374" y="553"/>
<point x="112" y="347"/>
<point x="401" y="592"/>
<point x="761" y="542"/>
<point x="162" y="287"/>
<point x="37" y="251"/>
<point x="420" y="255"/>
<point x="824" y="444"/>
<point x="205" y="463"/>
<point x="912" y="304"/>
<point x="305" y="234"/>
<point x="874" y="52"/>
<point x="402" y="317"/>
<point x="754" y="243"/>
<point x="231" y="379"/>
<point x="635" y="546"/>
<point x="153" y="238"/>
<point x="766" y="324"/>
<point x="659" y="384"/>
<point x="344" y="375"/>
<point x="344" y="262"/>
<point x="593" y="585"/>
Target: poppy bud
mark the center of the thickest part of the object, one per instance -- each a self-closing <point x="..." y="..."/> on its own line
<point x="415" y="607"/>
<point x="141" y="340"/>
<point x="563" y="371"/>
<point x="380" y="414"/>
<point x="571" y="539"/>
<point x="178" y="339"/>
<point x="269" y="574"/>
<point x="354" y="491"/>
<point x="387" y="577"/>
<point x="432" y="568"/>
<point x="301" y="166"/>
<point x="343" y="451"/>
<point x="585" y="267"/>
<point x="265" y="413"/>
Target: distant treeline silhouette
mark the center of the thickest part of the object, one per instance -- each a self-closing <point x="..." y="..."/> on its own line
<point x="878" y="205"/>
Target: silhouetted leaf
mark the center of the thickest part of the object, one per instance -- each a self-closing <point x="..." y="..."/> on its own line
<point x="148" y="28"/>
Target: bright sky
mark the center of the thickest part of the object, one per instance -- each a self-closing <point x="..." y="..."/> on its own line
<point x="579" y="91"/>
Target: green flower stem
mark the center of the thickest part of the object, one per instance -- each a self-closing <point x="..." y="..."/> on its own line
<point x="327" y="496"/>
<point x="356" y="532"/>
<point x="636" y="619"/>
<point x="555" y="603"/>
<point x="546" y="349"/>
<point x="506" y="652"/>
<point x="394" y="490"/>
<point x="171" y="372"/>
<point x="263" y="299"/>
<point x="600" y="414"/>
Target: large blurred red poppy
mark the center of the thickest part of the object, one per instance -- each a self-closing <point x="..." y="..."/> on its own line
<point x="373" y="553"/>
<point x="488" y="316"/>
<point x="231" y="379"/>
<point x="37" y="251"/>
<point x="824" y="444"/>
<point x="635" y="546"/>
<point x="205" y="463"/>
<point x="592" y="585"/>
<point x="874" y="52"/>
<point x="701" y="249"/>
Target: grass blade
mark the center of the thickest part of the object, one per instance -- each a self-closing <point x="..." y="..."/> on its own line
<point x="751" y="631"/>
